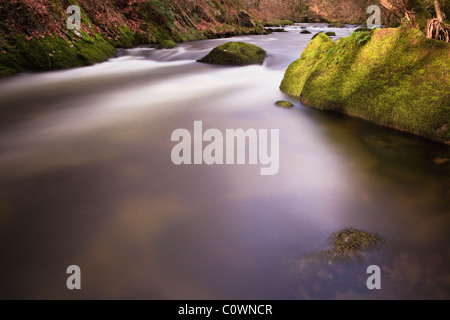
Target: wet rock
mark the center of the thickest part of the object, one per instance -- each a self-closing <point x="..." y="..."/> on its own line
<point x="349" y="244"/>
<point x="284" y="104"/>
<point x="305" y="32"/>
<point x="235" y="54"/>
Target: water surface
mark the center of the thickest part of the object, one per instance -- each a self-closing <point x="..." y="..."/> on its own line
<point x="87" y="180"/>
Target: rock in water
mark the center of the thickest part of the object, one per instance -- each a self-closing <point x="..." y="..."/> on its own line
<point x="305" y="32"/>
<point x="167" y="44"/>
<point x="349" y="244"/>
<point x="235" y="54"/>
<point x="284" y="104"/>
<point x="245" y="19"/>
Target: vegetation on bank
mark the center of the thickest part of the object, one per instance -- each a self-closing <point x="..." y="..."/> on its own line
<point x="393" y="77"/>
<point x="34" y="34"/>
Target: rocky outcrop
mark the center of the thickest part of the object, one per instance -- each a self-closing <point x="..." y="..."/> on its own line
<point x="393" y="77"/>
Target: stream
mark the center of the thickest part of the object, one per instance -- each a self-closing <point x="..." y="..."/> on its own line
<point x="87" y="179"/>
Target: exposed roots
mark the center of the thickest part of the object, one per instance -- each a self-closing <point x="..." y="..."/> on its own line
<point x="437" y="30"/>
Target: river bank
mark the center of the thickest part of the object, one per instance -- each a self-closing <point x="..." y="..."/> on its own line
<point x="392" y="77"/>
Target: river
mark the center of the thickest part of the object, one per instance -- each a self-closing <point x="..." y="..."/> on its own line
<point x="87" y="179"/>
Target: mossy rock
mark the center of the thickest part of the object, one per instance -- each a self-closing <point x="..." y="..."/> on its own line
<point x="284" y="104"/>
<point x="351" y="241"/>
<point x="167" y="44"/>
<point x="305" y="32"/>
<point x="235" y="54"/>
<point x="393" y="77"/>
<point x="348" y="244"/>
<point x="276" y="30"/>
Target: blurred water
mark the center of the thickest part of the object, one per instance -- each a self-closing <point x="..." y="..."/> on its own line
<point x="87" y="179"/>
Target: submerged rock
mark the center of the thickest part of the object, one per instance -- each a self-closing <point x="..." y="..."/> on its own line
<point x="235" y="54"/>
<point x="284" y="104"/>
<point x="167" y="44"/>
<point x="408" y="89"/>
<point x="348" y="244"/>
<point x="305" y="32"/>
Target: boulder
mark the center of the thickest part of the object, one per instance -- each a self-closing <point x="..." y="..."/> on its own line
<point x="284" y="104"/>
<point x="235" y="54"/>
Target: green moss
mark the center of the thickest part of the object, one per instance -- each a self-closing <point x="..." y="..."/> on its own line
<point x="98" y="51"/>
<point x="167" y="44"/>
<point x="284" y="104"/>
<point x="329" y="33"/>
<point x="236" y="54"/>
<point x="125" y="39"/>
<point x="393" y="77"/>
<point x="298" y="72"/>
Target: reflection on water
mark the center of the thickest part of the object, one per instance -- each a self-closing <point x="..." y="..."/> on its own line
<point x="87" y="179"/>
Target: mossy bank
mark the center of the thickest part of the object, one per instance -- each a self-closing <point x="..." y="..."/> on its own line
<point x="393" y="77"/>
<point x="35" y="36"/>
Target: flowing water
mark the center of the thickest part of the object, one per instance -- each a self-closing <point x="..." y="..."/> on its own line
<point x="87" y="179"/>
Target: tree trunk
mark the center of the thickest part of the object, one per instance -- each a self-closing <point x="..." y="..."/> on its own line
<point x="437" y="6"/>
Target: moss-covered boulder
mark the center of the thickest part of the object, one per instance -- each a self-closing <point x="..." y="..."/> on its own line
<point x="284" y="104"/>
<point x="393" y="77"/>
<point x="329" y="33"/>
<point x="235" y="54"/>
<point x="167" y="44"/>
